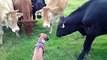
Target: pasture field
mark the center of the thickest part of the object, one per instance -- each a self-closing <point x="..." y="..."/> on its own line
<point x="64" y="48"/>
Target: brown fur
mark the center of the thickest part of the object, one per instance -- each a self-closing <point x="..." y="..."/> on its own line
<point x="55" y="8"/>
<point x="25" y="6"/>
<point x="39" y="51"/>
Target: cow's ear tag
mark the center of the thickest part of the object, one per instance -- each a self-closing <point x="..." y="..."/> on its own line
<point x="63" y="26"/>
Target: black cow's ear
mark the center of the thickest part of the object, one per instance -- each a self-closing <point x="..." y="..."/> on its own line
<point x="62" y="22"/>
<point x="62" y="19"/>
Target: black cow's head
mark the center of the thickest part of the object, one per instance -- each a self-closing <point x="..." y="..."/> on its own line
<point x="73" y="22"/>
<point x="39" y="5"/>
<point x="65" y="27"/>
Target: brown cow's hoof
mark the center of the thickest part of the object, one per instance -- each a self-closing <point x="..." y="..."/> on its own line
<point x="29" y="34"/>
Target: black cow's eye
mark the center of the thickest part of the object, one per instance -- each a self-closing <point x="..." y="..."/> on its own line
<point x="61" y="26"/>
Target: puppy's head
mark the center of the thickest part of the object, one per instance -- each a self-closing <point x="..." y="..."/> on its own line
<point x="43" y="37"/>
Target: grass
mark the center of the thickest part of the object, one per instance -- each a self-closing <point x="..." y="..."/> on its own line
<point x="64" y="48"/>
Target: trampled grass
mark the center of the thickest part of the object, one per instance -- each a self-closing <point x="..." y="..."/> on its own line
<point x="64" y="48"/>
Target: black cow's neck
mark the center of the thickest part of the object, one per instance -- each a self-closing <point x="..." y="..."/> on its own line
<point x="83" y="7"/>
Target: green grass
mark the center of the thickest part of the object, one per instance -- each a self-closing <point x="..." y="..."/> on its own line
<point x="64" y="48"/>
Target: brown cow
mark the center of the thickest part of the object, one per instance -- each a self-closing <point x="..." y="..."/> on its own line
<point x="53" y="9"/>
<point x="24" y="6"/>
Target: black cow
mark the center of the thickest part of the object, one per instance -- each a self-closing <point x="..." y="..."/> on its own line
<point x="90" y="20"/>
<point x="37" y="5"/>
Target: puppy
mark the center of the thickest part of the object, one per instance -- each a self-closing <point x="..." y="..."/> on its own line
<point x="40" y="48"/>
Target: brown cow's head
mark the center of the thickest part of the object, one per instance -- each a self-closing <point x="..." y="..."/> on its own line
<point x="47" y="15"/>
<point x="11" y="20"/>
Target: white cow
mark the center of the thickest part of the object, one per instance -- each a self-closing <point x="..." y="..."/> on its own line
<point x="8" y="17"/>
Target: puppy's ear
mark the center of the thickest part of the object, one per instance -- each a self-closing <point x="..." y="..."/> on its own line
<point x="46" y="38"/>
<point x="39" y="35"/>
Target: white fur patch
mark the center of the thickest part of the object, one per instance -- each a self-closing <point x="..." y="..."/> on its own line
<point x="43" y="41"/>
